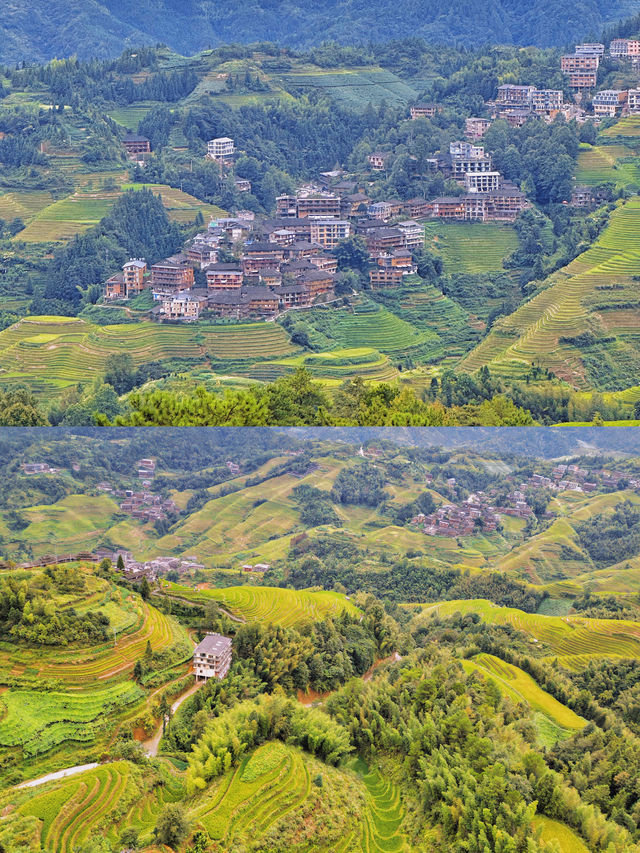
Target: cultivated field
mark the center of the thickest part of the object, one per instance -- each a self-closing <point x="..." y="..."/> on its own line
<point x="269" y="605"/>
<point x="572" y="640"/>
<point x="50" y="353"/>
<point x="471" y="247"/>
<point x="559" y="721"/>
<point x="595" y="293"/>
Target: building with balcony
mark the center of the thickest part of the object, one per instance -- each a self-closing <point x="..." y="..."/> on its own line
<point x="212" y="657"/>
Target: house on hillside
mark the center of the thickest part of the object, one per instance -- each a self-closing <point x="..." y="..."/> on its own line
<point x="212" y="657"/>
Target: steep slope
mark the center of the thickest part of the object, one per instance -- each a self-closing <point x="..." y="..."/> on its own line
<point x="39" y="30"/>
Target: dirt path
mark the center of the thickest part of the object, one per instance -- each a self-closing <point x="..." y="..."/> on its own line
<point x="150" y="746"/>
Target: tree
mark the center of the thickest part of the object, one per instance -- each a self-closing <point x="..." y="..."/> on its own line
<point x="120" y="563"/>
<point x="145" y="589"/>
<point x="148" y="653"/>
<point x="120" y="372"/>
<point x="172" y="827"/>
<point x="138" y="671"/>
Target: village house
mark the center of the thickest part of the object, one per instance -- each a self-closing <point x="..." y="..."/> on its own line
<point x="423" y="111"/>
<point x="380" y="210"/>
<point x="133" y="273"/>
<point x="609" y="102"/>
<point x="324" y="261"/>
<point x="415" y="208"/>
<point x="329" y="232"/>
<point x="221" y="149"/>
<point x="512" y="95"/>
<point x="185" y="305"/>
<point x="633" y="102"/>
<point x="353" y="204"/>
<point x="136" y="145"/>
<point x="296" y="295"/>
<point x="392" y="268"/>
<point x="579" y="62"/>
<point x="481" y="182"/>
<point x="595" y="49"/>
<point x="212" y="657"/>
<point x="582" y="196"/>
<point x="243" y="302"/>
<point x="517" y="116"/>
<point x="381" y="240"/>
<point x="546" y="101"/>
<point x="242" y="185"/>
<point x="115" y="287"/>
<point x="413" y="233"/>
<point x="476" y="127"/>
<point x="625" y="49"/>
<point x="224" y="276"/>
<point x="282" y="237"/>
<point x="583" y="79"/>
<point x="260" y="254"/>
<point x="317" y="281"/>
<point x="202" y="254"/>
<point x="174" y="273"/>
<point x="377" y="160"/>
<point x="270" y="277"/>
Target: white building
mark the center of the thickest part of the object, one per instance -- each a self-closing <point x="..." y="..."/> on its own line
<point x="221" y="148"/>
<point x="481" y="182"/>
<point x="212" y="657"/>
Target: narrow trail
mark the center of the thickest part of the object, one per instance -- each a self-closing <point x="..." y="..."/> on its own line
<point x="151" y="745"/>
<point x="58" y="774"/>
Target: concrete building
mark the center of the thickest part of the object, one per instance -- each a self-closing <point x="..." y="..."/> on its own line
<point x="546" y="100"/>
<point x="579" y="62"/>
<point x="609" y="102"/>
<point x="475" y="127"/>
<point x="512" y="95"/>
<point x="423" y="111"/>
<point x="481" y="182"/>
<point x="633" y="102"/>
<point x="329" y="232"/>
<point x="212" y="657"/>
<point x="221" y="149"/>
<point x="174" y="273"/>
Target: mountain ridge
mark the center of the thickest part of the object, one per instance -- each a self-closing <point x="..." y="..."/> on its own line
<point x="34" y="30"/>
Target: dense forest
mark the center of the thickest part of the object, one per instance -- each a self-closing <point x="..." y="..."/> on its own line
<point x="38" y="31"/>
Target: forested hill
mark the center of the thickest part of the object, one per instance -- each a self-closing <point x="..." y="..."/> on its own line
<point x="37" y="30"/>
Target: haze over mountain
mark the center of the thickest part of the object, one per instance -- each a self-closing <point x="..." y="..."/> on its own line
<point x="37" y="30"/>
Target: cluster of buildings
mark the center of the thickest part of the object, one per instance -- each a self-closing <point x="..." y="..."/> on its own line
<point x="135" y="570"/>
<point x="256" y="567"/>
<point x="488" y="196"/>
<point x="147" y="506"/>
<point x="463" y="520"/>
<point x="38" y="468"/>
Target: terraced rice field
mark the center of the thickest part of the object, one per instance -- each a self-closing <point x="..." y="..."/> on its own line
<point x="352" y="88"/>
<point x="23" y="205"/>
<point x="570" y="306"/>
<point x="38" y="721"/>
<point x="554" y="831"/>
<point x="338" y="365"/>
<point x="50" y="353"/>
<point x="607" y="163"/>
<point x="101" y="664"/>
<point x="269" y="605"/>
<point x="63" y="219"/>
<point x="471" y="247"/>
<point x="265" y="786"/>
<point x="180" y="206"/>
<point x="520" y="686"/>
<point x="71" y="810"/>
<point x="628" y="126"/>
<point x="573" y="640"/>
<point x="381" y="829"/>
<point x="370" y="326"/>
<point x="131" y="115"/>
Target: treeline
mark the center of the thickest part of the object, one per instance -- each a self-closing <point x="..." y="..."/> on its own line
<point x="137" y="226"/>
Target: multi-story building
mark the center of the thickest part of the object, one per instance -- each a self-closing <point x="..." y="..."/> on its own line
<point x="317" y="203"/>
<point x="295" y="295"/>
<point x="115" y="287"/>
<point x="174" y="273"/>
<point x="423" y="111"/>
<point x="625" y="48"/>
<point x="183" y="306"/>
<point x="633" y="101"/>
<point x="380" y="210"/>
<point x="511" y="95"/>
<point x="133" y="273"/>
<point x="222" y="148"/>
<point x="609" y="102"/>
<point x="317" y="281"/>
<point x="378" y="160"/>
<point x="391" y="268"/>
<point x="502" y="204"/>
<point x="517" y="116"/>
<point x="222" y="276"/>
<point x="413" y="233"/>
<point x="466" y="150"/>
<point x="212" y="657"/>
<point x="481" y="182"/>
<point x="583" y="79"/>
<point x="259" y="255"/>
<point x="136" y="144"/>
<point x="546" y="100"/>
<point x="416" y="207"/>
<point x="595" y="48"/>
<point x="329" y="232"/>
<point x="476" y="127"/>
<point x="381" y="240"/>
<point x="579" y="62"/>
